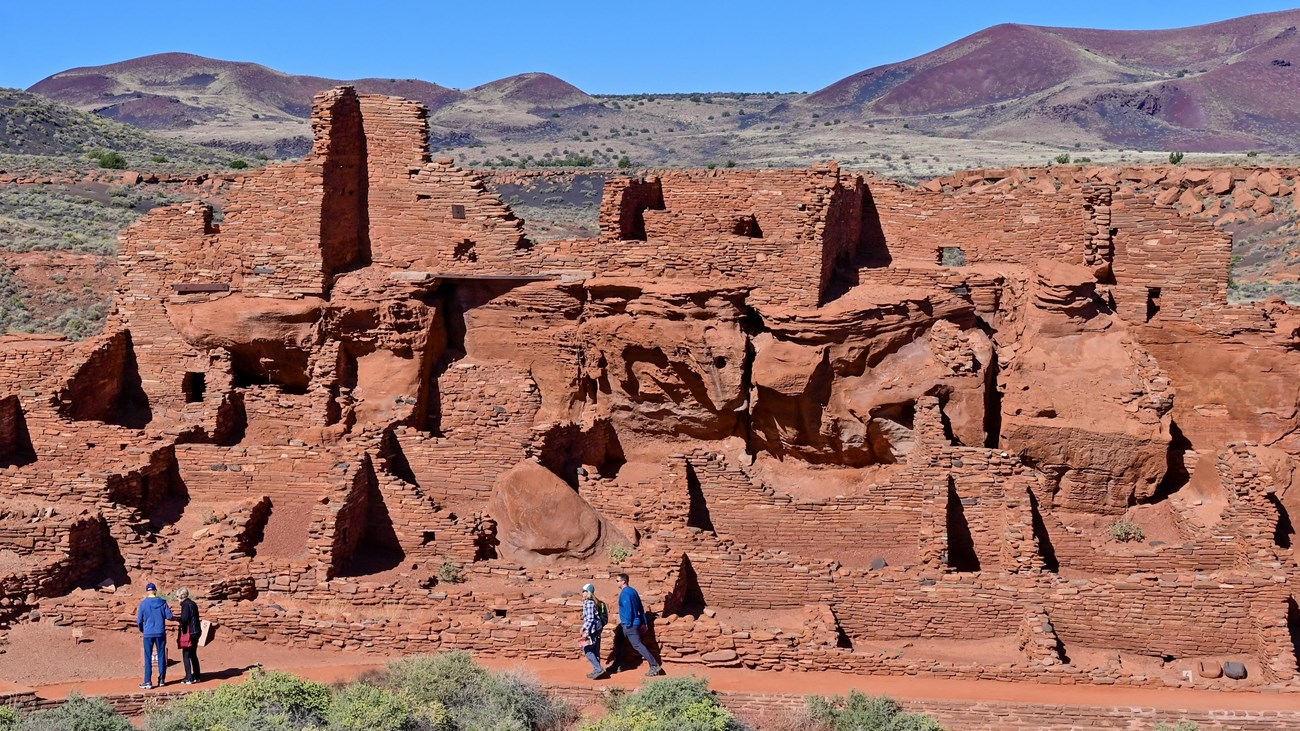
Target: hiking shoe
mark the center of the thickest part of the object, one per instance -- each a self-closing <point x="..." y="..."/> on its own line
<point x="595" y="675"/>
<point x="653" y="671"/>
<point x="189" y="682"/>
<point x="147" y="686"/>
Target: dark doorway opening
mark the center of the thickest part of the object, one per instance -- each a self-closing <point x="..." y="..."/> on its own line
<point x="1283" y="531"/>
<point x="16" y="447"/>
<point x="961" y="544"/>
<point x="1046" y="551"/>
<point x="698" y="515"/>
<point x="1153" y="303"/>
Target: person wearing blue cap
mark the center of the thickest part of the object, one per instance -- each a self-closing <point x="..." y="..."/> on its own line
<point x="151" y="618"/>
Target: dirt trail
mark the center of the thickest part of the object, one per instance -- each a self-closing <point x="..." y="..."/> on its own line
<point x="568" y="673"/>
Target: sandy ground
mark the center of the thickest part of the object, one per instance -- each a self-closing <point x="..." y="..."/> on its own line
<point x="42" y="653"/>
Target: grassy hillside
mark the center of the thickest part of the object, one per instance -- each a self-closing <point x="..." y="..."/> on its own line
<point x="58" y="237"/>
<point x="37" y="133"/>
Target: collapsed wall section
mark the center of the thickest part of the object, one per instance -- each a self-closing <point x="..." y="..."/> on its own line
<point x="783" y="232"/>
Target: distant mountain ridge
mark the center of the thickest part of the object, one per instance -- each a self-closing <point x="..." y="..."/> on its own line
<point x="1230" y="85"/>
<point x="1227" y="86"/>
<point x="229" y="102"/>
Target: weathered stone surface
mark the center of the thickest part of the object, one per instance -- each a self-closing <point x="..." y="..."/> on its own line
<point x="813" y="415"/>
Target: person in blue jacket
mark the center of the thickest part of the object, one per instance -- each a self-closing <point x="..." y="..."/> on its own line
<point x="631" y="615"/>
<point x="151" y="618"/>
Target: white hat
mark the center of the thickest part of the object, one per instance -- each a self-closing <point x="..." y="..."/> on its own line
<point x="589" y="587"/>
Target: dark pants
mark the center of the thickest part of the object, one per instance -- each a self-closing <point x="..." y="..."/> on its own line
<point x="633" y="635"/>
<point x="592" y="651"/>
<point x="158" y="644"/>
<point x="190" y="656"/>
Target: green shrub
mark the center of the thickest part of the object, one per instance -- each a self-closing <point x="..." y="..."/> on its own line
<point x="8" y="719"/>
<point x="111" y="161"/>
<point x="449" y="572"/>
<point x="1063" y="158"/>
<point x="1175" y="158"/>
<point x="672" y="704"/>
<point x="472" y="697"/>
<point x="860" y="712"/>
<point x="273" y="701"/>
<point x="158" y="158"/>
<point x="362" y="707"/>
<point x="1180" y="726"/>
<point x="618" y="553"/>
<point x="238" y="164"/>
<point x="77" y="714"/>
<point x="1125" y="530"/>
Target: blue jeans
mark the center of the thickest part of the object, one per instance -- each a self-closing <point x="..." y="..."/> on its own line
<point x="633" y="635"/>
<point x="156" y="643"/>
<point x="592" y="651"/>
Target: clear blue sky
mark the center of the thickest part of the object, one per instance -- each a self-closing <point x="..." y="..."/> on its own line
<point x="612" y="46"/>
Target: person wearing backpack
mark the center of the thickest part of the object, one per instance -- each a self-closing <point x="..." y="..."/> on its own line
<point x="595" y="615"/>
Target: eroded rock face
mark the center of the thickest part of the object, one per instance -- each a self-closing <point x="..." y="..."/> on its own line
<point x="540" y="519"/>
<point x="840" y="385"/>
<point x="237" y="321"/>
<point x="666" y="360"/>
<point x="1081" y="400"/>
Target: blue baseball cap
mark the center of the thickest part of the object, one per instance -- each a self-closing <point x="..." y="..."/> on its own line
<point x="150" y="587"/>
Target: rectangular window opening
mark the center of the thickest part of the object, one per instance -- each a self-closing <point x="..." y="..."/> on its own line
<point x="952" y="256"/>
<point x="458" y="211"/>
<point x="195" y="385"/>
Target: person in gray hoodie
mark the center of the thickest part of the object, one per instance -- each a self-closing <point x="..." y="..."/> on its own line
<point x="152" y="618"/>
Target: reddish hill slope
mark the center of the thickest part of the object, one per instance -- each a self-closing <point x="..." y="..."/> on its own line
<point x="238" y="104"/>
<point x="206" y="87"/>
<point x="1222" y="86"/>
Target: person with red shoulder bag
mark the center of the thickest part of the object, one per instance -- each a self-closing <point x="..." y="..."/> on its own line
<point x="187" y="637"/>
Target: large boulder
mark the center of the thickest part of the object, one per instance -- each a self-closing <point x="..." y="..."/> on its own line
<point x="542" y="520"/>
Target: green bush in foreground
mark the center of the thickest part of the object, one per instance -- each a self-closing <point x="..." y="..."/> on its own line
<point x="361" y="707"/>
<point x="860" y="712"/>
<point x="672" y="704"/>
<point x="473" y="697"/>
<point x="8" y="719"/>
<point x="272" y="701"/>
<point x="76" y="714"/>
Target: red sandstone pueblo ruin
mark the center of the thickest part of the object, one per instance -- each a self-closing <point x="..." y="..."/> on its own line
<point x="827" y="422"/>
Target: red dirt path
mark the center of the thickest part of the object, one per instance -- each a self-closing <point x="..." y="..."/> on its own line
<point x="229" y="660"/>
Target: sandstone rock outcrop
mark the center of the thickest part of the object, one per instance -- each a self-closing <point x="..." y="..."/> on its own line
<point x="1007" y="418"/>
